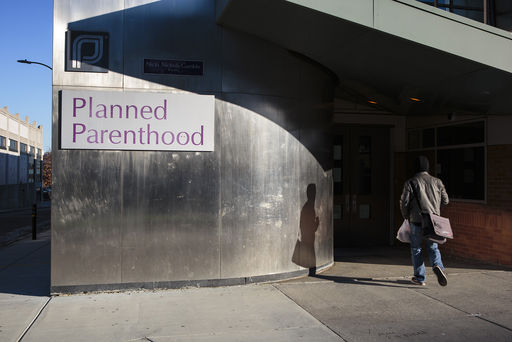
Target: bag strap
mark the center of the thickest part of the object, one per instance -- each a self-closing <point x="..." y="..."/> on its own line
<point x="414" y="195"/>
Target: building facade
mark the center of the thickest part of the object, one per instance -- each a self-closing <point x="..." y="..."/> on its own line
<point x="227" y="142"/>
<point x="21" y="155"/>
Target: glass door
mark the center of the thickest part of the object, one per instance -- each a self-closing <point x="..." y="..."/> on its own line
<point x="361" y="186"/>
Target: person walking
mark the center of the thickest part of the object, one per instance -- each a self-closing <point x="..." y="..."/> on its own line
<point x="428" y="192"/>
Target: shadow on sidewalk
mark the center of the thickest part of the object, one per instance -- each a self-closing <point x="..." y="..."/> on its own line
<point x="25" y="267"/>
<point x="399" y="255"/>
<point x="368" y="281"/>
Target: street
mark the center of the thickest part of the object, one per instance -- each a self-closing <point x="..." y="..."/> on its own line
<point x="18" y="222"/>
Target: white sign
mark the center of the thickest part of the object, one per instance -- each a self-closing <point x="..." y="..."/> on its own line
<point x="137" y="121"/>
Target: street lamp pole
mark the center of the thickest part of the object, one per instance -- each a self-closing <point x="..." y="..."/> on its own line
<point x="34" y="206"/>
<point x="32" y="62"/>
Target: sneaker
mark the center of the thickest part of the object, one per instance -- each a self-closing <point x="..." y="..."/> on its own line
<point x="441" y="277"/>
<point x="415" y="280"/>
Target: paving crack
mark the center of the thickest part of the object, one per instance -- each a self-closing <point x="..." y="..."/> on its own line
<point x="476" y="315"/>
<point x="33" y="320"/>
<point x="303" y="308"/>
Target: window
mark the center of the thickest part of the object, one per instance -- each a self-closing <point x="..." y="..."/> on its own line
<point x="23" y="148"/>
<point x="365" y="165"/>
<point x="421" y="138"/>
<point x="473" y="9"/>
<point x="462" y="171"/>
<point x="414" y="139"/>
<point x="338" y="176"/>
<point x="468" y="133"/>
<point x="338" y="164"/>
<point x="428" y="137"/>
<point x="503" y="15"/>
<point x="31" y="169"/>
<point x="13" y="145"/>
<point x="32" y="150"/>
<point x="497" y="13"/>
<point x="459" y="151"/>
<point x="3" y="144"/>
<point x="38" y="153"/>
<point x="38" y="169"/>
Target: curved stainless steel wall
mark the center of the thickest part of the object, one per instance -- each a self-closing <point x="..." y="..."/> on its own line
<point x="146" y="218"/>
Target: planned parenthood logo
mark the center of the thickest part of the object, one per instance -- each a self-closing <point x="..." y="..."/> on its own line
<point x="87" y="51"/>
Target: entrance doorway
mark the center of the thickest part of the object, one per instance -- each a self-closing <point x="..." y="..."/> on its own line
<point x="361" y="186"/>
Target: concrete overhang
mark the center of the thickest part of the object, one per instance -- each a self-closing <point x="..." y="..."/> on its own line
<point x="389" y="51"/>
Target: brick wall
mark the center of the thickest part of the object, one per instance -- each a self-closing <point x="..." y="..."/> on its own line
<point x="499" y="176"/>
<point x="480" y="231"/>
<point x="484" y="231"/>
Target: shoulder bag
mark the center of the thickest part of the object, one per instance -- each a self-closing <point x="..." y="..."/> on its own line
<point x="435" y="228"/>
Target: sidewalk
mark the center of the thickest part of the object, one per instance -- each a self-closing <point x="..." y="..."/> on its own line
<point x="366" y="296"/>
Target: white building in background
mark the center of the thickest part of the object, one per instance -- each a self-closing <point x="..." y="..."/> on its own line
<point x="21" y="155"/>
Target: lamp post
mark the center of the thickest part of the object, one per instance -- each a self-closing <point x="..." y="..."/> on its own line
<point x="32" y="62"/>
<point x="34" y="206"/>
<point x="25" y="61"/>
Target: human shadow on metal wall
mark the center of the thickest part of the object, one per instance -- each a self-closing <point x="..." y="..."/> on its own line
<point x="185" y="26"/>
<point x="304" y="253"/>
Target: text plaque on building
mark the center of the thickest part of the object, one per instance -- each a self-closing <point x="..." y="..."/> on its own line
<point x="174" y="67"/>
<point x="109" y="120"/>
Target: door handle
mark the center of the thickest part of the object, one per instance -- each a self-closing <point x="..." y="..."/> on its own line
<point x="347" y="203"/>
<point x="354" y="203"/>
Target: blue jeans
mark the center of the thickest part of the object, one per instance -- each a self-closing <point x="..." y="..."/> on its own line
<point x="417" y="259"/>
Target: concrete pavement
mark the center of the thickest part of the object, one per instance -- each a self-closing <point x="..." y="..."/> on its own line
<point x="366" y="296"/>
<point x="24" y="284"/>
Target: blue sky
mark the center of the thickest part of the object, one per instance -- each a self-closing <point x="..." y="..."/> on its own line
<point x="26" y="33"/>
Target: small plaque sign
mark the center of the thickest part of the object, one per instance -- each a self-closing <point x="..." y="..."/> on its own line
<point x="173" y="67"/>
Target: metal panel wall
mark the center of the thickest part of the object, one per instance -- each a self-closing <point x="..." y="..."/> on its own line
<point x="130" y="218"/>
<point x="175" y="30"/>
<point x="94" y="16"/>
